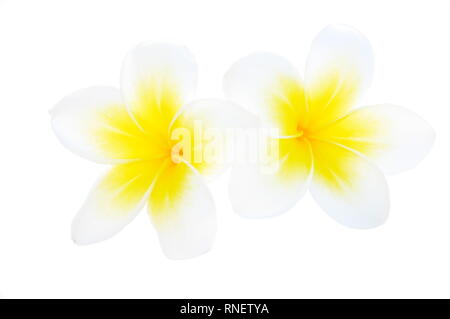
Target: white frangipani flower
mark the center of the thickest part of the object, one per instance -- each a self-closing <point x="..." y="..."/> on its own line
<point x="337" y="152"/>
<point x="136" y="129"/>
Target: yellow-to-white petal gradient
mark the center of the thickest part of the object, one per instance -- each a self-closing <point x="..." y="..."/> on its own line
<point x="114" y="201"/>
<point x="339" y="69"/>
<point x="393" y="137"/>
<point x="95" y="124"/>
<point x="347" y="187"/>
<point x="157" y="80"/>
<point x="269" y="86"/>
<point x="182" y="211"/>
<point x="271" y="187"/>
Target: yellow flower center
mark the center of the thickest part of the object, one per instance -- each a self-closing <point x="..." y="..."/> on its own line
<point x="302" y="132"/>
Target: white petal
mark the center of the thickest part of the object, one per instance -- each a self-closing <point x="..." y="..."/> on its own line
<point x="215" y="126"/>
<point x="395" y="138"/>
<point x="218" y="114"/>
<point x="114" y="201"/>
<point x="183" y="212"/>
<point x="347" y="187"/>
<point x="339" y="69"/>
<point x="90" y="122"/>
<point x="157" y="79"/>
<point x="269" y="86"/>
<point x="270" y="187"/>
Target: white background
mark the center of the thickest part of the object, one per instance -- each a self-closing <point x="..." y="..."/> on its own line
<point x="51" y="48"/>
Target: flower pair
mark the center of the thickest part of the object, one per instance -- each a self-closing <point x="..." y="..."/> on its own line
<point x="339" y="154"/>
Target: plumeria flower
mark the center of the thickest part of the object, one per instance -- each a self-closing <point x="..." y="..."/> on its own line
<point x="137" y="130"/>
<point x="337" y="152"/>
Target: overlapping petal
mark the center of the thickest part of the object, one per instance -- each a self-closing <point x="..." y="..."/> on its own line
<point x="339" y="69"/>
<point x="272" y="185"/>
<point x="182" y="211"/>
<point x="114" y="201"/>
<point x="157" y="80"/>
<point x="270" y="87"/>
<point x="347" y="187"/>
<point x="209" y="128"/>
